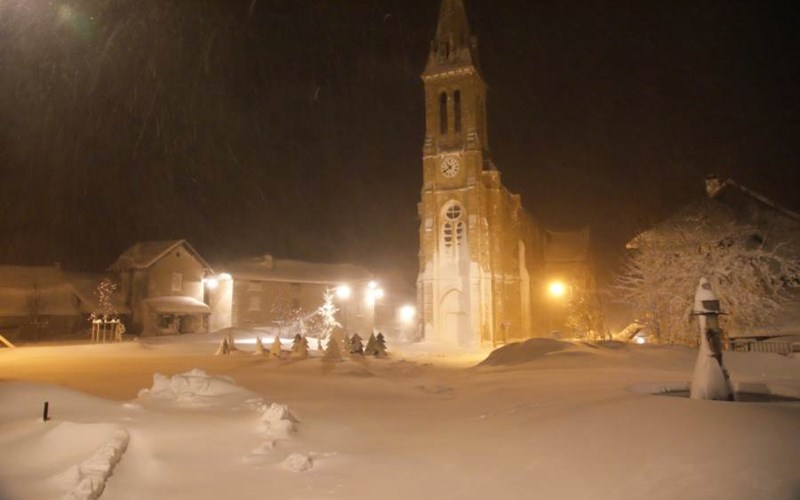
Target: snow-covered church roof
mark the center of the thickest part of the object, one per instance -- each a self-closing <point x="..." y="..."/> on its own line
<point x="267" y="268"/>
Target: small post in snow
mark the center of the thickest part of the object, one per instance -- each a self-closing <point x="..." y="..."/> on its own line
<point x="710" y="379"/>
<point x="46" y="411"/>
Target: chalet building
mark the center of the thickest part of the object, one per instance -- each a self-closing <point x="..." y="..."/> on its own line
<point x="163" y="286"/>
<point x="265" y="291"/>
<point x="484" y="260"/>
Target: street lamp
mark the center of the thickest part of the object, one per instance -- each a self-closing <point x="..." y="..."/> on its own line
<point x="343" y="292"/>
<point x="407" y="313"/>
<point x="557" y="289"/>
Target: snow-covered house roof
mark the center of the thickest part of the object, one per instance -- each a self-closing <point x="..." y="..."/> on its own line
<point x="267" y="268"/>
<point x="726" y="202"/>
<point x="566" y="246"/>
<point x="144" y="254"/>
<point x="733" y="194"/>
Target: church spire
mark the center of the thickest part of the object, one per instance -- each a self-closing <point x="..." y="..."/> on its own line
<point x="453" y="45"/>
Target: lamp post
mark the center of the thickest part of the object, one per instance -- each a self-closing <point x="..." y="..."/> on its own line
<point x="558" y="291"/>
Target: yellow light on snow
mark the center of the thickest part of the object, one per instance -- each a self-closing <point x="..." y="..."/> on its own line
<point x="557" y="289"/>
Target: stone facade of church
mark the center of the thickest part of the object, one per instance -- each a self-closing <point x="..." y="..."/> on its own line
<point x="483" y="258"/>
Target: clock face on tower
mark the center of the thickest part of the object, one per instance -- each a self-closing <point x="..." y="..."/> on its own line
<point x="450" y="166"/>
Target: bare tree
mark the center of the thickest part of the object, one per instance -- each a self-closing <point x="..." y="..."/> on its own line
<point x="751" y="275"/>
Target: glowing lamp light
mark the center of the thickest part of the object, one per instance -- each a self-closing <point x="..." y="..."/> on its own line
<point x="343" y="292"/>
<point x="211" y="283"/>
<point x="407" y="313"/>
<point x="640" y="340"/>
<point x="372" y="285"/>
<point x="557" y="289"/>
<point x="372" y="295"/>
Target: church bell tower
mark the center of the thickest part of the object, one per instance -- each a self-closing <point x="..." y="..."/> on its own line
<point x="455" y="155"/>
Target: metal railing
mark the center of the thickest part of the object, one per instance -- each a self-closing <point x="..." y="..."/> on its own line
<point x="767" y="346"/>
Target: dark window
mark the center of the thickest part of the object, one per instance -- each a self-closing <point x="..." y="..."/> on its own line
<point x="443" y="113"/>
<point x="457" y="110"/>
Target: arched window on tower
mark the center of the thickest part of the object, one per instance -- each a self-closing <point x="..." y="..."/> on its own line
<point x="443" y="113"/>
<point x="453" y="229"/>
<point x="457" y="110"/>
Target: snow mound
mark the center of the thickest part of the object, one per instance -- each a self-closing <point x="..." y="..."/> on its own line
<point x="524" y="352"/>
<point x="190" y="386"/>
<point x="278" y="421"/>
<point x="87" y="480"/>
<point x="298" y="462"/>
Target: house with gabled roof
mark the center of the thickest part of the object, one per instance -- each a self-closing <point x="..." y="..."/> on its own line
<point x="162" y="282"/>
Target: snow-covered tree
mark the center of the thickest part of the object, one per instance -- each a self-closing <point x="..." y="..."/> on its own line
<point x="223" y="348"/>
<point x="585" y="313"/>
<point x="751" y="275"/>
<point x="332" y="350"/>
<point x="300" y="347"/>
<point x="380" y="346"/>
<point x="356" y="345"/>
<point x="327" y="312"/>
<point x="371" y="349"/>
<point x="104" y="292"/>
<point x="275" y="348"/>
<point x="231" y="342"/>
<point x="259" y="347"/>
<point x="345" y="343"/>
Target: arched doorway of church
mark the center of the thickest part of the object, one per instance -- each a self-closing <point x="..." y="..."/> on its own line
<point x="453" y="319"/>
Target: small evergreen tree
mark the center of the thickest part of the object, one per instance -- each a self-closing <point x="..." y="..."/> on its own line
<point x="332" y="350"/>
<point x="356" y="345"/>
<point x="259" y="347"/>
<point x="345" y="344"/>
<point x="372" y="346"/>
<point x="275" y="348"/>
<point x="223" y="348"/>
<point x="300" y="347"/>
<point x="231" y="343"/>
<point x="380" y="346"/>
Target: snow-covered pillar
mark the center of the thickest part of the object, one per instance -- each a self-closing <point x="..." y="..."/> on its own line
<point x="710" y="379"/>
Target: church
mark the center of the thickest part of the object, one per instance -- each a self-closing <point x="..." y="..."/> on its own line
<point x="485" y="262"/>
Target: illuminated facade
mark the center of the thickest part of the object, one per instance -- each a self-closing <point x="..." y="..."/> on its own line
<point x="483" y="258"/>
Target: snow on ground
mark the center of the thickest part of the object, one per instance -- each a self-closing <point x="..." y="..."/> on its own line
<point x="543" y="419"/>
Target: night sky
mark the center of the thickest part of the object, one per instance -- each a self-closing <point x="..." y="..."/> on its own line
<point x="295" y="127"/>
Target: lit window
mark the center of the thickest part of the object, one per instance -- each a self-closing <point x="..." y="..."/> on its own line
<point x="453" y="212"/>
<point x="454" y="229"/>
